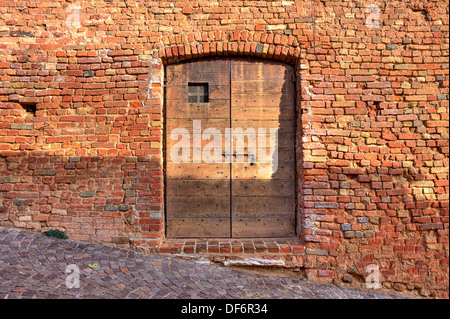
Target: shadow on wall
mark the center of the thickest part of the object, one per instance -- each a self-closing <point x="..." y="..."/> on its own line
<point x="92" y="198"/>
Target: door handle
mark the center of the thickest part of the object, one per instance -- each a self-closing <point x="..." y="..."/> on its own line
<point x="251" y="157"/>
<point x="228" y="154"/>
<point x="233" y="154"/>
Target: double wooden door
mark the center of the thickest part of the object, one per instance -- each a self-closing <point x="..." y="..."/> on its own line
<point x="218" y="184"/>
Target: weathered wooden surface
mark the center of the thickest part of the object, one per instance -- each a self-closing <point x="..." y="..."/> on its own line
<point x="263" y="97"/>
<point x="197" y="194"/>
<point x="250" y="197"/>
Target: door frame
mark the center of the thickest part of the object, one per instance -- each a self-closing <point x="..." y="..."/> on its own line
<point x="297" y="135"/>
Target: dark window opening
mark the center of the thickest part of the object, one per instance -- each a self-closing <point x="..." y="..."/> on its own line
<point x="198" y="92"/>
<point x="30" y="108"/>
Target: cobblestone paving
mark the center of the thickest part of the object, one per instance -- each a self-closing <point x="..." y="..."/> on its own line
<point x="33" y="266"/>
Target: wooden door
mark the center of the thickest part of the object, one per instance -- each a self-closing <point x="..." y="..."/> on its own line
<point x="230" y="197"/>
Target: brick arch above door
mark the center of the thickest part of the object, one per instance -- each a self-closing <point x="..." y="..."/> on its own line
<point x="195" y="45"/>
<point x="278" y="52"/>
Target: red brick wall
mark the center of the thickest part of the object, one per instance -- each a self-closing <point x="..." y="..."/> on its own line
<point x="373" y="122"/>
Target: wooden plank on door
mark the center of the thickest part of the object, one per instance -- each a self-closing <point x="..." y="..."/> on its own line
<point x="264" y="227"/>
<point x="180" y="92"/>
<point x="219" y="65"/>
<point x="285" y="141"/>
<point x="283" y="126"/>
<point x="191" y="188"/>
<point x="195" y="207"/>
<point x="262" y="171"/>
<point x="198" y="171"/>
<point x="262" y="113"/>
<point x="266" y="86"/>
<point x="198" y="227"/>
<point x="260" y="71"/>
<point x="175" y="123"/>
<point x="212" y="78"/>
<point x="280" y="100"/>
<point x="215" y="109"/>
<point x="269" y="206"/>
<point x="263" y="188"/>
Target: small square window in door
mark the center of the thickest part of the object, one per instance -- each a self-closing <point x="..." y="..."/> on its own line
<point x="198" y="92"/>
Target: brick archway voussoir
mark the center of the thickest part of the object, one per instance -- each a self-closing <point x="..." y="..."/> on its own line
<point x="282" y="53"/>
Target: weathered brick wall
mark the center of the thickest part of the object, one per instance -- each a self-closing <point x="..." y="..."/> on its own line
<point x="373" y="122"/>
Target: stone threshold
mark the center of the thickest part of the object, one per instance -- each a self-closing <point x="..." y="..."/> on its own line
<point x="231" y="246"/>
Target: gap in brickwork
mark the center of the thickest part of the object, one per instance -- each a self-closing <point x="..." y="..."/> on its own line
<point x="30" y="108"/>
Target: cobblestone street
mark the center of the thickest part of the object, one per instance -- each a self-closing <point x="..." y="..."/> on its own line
<point x="33" y="266"/>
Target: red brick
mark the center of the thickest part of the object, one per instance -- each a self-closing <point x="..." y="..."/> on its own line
<point x="369" y="138"/>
